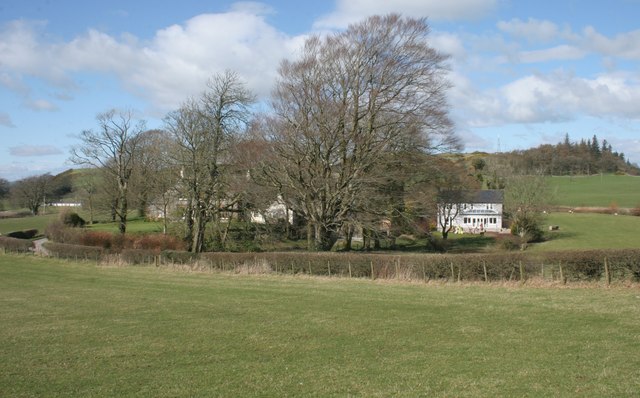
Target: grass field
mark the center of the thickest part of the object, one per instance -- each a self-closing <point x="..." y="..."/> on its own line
<point x="597" y="190"/>
<point x="78" y="330"/>
<point x="24" y="223"/>
<point x="591" y="231"/>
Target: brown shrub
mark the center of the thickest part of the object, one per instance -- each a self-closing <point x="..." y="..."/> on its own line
<point x="158" y="242"/>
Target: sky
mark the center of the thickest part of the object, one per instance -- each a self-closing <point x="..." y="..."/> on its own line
<point x="523" y="73"/>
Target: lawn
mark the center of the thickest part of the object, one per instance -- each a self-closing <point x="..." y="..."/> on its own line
<point x="596" y="191"/>
<point x="79" y="330"/>
<point x="591" y="231"/>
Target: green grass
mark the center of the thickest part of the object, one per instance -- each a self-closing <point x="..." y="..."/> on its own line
<point x="134" y="225"/>
<point x="24" y="223"/>
<point x="591" y="231"/>
<point x="597" y="191"/>
<point x="79" y="330"/>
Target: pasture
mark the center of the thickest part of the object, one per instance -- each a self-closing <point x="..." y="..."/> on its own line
<point x="71" y="329"/>
<point x="596" y="191"/>
<point x="590" y="231"/>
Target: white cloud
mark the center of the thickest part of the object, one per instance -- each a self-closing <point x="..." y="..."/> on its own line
<point x="559" y="53"/>
<point x="624" y="45"/>
<point x="41" y="105"/>
<point x="554" y="97"/>
<point x="5" y="120"/>
<point x="165" y="70"/>
<point x="533" y="30"/>
<point x="34" y="150"/>
<point x="449" y="44"/>
<point x="350" y="11"/>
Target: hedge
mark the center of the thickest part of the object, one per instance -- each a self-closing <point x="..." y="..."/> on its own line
<point x="28" y="234"/>
<point x="78" y="252"/>
<point x="15" y="245"/>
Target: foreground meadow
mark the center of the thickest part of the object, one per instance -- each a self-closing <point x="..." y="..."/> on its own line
<point x="70" y="329"/>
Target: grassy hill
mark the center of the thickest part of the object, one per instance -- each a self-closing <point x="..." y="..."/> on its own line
<point x="597" y="190"/>
<point x="79" y="330"/>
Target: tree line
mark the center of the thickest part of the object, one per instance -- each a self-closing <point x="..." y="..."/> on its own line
<point x="586" y="157"/>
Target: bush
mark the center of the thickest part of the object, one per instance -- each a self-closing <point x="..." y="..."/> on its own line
<point x="64" y="250"/>
<point x="15" y="245"/>
<point x="635" y="211"/>
<point x="95" y="238"/>
<point x="158" y="242"/>
<point x="72" y="219"/>
<point x="56" y="231"/>
<point x="178" y="257"/>
<point x="28" y="234"/>
<point x="138" y="256"/>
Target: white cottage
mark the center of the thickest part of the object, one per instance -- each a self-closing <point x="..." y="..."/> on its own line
<point x="472" y="212"/>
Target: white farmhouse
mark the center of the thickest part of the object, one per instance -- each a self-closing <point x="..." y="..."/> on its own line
<point x="472" y="212"/>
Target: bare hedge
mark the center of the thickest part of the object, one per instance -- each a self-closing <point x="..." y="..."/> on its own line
<point x="77" y="252"/>
<point x="15" y="245"/>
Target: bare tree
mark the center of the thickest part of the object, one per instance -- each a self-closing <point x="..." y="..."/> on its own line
<point x="31" y="192"/>
<point x="87" y="186"/>
<point x="112" y="148"/>
<point x="154" y="176"/>
<point x="204" y="130"/>
<point x="350" y="98"/>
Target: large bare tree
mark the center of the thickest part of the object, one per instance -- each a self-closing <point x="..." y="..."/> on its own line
<point x="350" y="98"/>
<point x="205" y="130"/>
<point x="112" y="148"/>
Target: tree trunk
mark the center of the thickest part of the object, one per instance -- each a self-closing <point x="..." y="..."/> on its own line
<point x="324" y="238"/>
<point x="123" y="210"/>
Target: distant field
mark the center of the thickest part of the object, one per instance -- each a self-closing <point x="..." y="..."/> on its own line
<point x="80" y="330"/>
<point x="591" y="231"/>
<point x="20" y="224"/>
<point x="600" y="191"/>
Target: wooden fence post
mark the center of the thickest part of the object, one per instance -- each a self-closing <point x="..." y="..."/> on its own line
<point x="484" y="268"/>
<point x="349" y="269"/>
<point x="329" y="267"/>
<point x="521" y="273"/>
<point x="453" y="273"/>
<point x="562" y="278"/>
<point x="372" y="274"/>
<point x="607" y="274"/>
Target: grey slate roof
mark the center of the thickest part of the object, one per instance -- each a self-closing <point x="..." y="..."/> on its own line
<point x="476" y="196"/>
<point x="487" y="196"/>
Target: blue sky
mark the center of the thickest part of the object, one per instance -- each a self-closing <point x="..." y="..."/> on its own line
<point x="523" y="72"/>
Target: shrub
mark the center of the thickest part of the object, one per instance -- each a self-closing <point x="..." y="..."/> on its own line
<point x="15" y="245"/>
<point x="72" y="219"/>
<point x="56" y="231"/>
<point x="635" y="211"/>
<point x="137" y="256"/>
<point x="64" y="250"/>
<point x="28" y="234"/>
<point x="95" y="238"/>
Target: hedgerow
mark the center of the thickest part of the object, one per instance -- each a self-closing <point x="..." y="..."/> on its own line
<point x="15" y="245"/>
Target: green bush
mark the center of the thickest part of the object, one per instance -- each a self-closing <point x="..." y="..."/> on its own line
<point x="72" y="219"/>
<point x="15" y="245"/>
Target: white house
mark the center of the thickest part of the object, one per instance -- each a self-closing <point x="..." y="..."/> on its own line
<point x="472" y="212"/>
